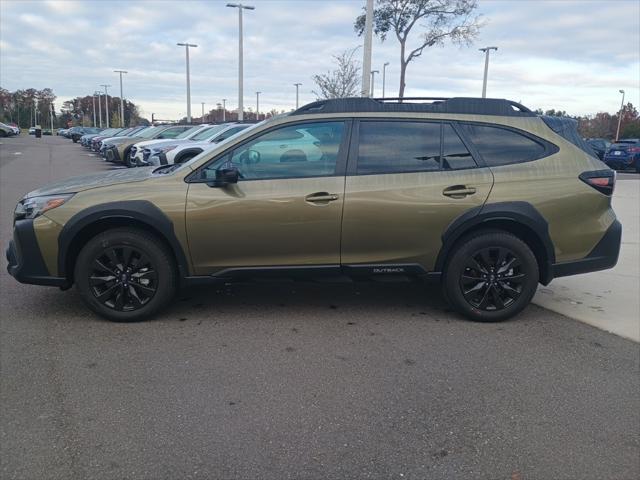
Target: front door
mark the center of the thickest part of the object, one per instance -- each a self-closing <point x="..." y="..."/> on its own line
<point x="286" y="209"/>
<point x="407" y="181"/>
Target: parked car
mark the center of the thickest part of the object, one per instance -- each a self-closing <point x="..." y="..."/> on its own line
<point x="481" y="194"/>
<point x="624" y="155"/>
<point x="85" y="140"/>
<point x="174" y="152"/>
<point x="599" y="146"/>
<point x="96" y="142"/>
<point x="137" y="150"/>
<point x="32" y="130"/>
<point x="62" y="132"/>
<point x="118" y="150"/>
<point x="6" y="130"/>
<point x="76" y="132"/>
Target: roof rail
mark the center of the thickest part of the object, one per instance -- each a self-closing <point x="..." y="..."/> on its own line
<point x="463" y="105"/>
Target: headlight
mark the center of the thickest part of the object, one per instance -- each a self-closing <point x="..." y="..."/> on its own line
<point x="165" y="149"/>
<point x="35" y="206"/>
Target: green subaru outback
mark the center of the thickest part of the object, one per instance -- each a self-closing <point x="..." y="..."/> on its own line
<point x="481" y="194"/>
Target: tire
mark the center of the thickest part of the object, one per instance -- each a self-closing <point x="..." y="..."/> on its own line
<point x="122" y="295"/>
<point x="127" y="158"/>
<point x="485" y="295"/>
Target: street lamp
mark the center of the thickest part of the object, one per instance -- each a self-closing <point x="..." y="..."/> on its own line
<point x="240" y="8"/>
<point x="121" y="98"/>
<point x="94" y="108"/>
<point x="202" y="119"/>
<point x="384" y="76"/>
<point x="373" y="77"/>
<point x="186" y="48"/>
<point x="258" y="105"/>
<point x="620" y="115"/>
<point x="486" y="50"/>
<point x="297" y="85"/>
<point x="366" y="51"/>
<point x="99" y="107"/>
<point x="224" y="110"/>
<point x="106" y="96"/>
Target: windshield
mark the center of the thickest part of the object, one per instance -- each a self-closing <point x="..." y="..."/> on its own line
<point x="189" y="131"/>
<point x="147" y="132"/>
<point x="208" y="132"/>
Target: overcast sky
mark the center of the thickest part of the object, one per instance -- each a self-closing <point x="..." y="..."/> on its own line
<point x="571" y="55"/>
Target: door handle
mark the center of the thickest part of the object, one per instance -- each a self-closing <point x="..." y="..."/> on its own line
<point x="321" y="197"/>
<point x="458" y="191"/>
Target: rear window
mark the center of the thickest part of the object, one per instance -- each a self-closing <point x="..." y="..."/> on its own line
<point x="397" y="147"/>
<point x="501" y="146"/>
<point x="567" y="128"/>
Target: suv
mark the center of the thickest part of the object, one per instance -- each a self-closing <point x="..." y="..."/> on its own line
<point x="624" y="154"/>
<point x="121" y="149"/>
<point x="481" y="194"/>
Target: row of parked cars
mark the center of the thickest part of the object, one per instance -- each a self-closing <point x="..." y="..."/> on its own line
<point x="621" y="155"/>
<point x="8" y="130"/>
<point x="153" y="145"/>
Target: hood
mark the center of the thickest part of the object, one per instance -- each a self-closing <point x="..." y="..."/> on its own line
<point x="160" y="143"/>
<point x="93" y="180"/>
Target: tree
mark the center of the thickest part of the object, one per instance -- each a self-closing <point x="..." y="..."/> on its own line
<point x="452" y="20"/>
<point x="341" y="82"/>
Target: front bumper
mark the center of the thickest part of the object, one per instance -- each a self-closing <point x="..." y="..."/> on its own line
<point x="603" y="256"/>
<point x="111" y="154"/>
<point x="25" y="262"/>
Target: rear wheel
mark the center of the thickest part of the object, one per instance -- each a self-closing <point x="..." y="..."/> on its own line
<point x="125" y="275"/>
<point x="491" y="276"/>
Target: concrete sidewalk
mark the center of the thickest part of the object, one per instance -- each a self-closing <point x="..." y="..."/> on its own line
<point x="609" y="299"/>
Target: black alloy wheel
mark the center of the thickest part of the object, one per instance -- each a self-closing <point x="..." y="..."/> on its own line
<point x="123" y="278"/>
<point x="126" y="274"/>
<point x="492" y="278"/>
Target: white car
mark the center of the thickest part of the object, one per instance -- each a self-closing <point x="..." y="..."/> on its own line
<point x="137" y="151"/>
<point x="179" y="152"/>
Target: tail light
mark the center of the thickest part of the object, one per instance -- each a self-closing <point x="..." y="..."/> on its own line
<point x="634" y="150"/>
<point x="602" y="180"/>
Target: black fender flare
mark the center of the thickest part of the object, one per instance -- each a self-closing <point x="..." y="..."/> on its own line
<point x="141" y="211"/>
<point x="190" y="151"/>
<point x="520" y="213"/>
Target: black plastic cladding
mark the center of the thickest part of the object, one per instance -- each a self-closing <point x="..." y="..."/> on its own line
<point x="463" y="105"/>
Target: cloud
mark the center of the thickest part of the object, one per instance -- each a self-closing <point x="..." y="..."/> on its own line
<point x="552" y="54"/>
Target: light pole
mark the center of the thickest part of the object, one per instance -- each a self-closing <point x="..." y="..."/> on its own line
<point x="51" y="116"/>
<point x="224" y="110"/>
<point x="258" y="105"/>
<point x="202" y="119"/>
<point x="384" y="76"/>
<point x="373" y="78"/>
<point x="99" y="107"/>
<point x="186" y="48"/>
<point x="297" y="85"/>
<point x="486" y="50"/>
<point x="620" y="115"/>
<point x="240" y="8"/>
<point x="121" y="98"/>
<point x="106" y="97"/>
<point x="94" y="109"/>
<point x="366" y="54"/>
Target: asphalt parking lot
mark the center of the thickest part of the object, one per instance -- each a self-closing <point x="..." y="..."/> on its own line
<point x="299" y="380"/>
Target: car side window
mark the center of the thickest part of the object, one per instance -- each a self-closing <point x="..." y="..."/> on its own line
<point x="501" y="146"/>
<point x="397" y="147"/>
<point x="172" y="132"/>
<point x="294" y="151"/>
<point x="455" y="155"/>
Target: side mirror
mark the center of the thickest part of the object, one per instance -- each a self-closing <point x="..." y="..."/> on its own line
<point x="224" y="177"/>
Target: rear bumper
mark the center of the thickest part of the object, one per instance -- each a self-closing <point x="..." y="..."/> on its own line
<point x="603" y="256"/>
<point x="24" y="260"/>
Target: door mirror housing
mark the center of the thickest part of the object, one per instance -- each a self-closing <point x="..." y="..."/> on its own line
<point x="224" y="177"/>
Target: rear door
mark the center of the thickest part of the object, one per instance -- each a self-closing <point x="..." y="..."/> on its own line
<point x="407" y="181"/>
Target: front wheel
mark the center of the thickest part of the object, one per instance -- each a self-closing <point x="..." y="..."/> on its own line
<point x="491" y="276"/>
<point x="125" y="275"/>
